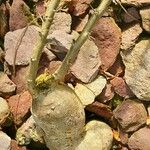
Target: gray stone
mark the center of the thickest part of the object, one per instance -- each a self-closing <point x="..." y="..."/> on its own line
<point x="7" y="87"/>
<point x="130" y="36"/>
<point x="5" y="141"/>
<point x="131" y="115"/>
<point x="4" y="111"/>
<point x="139" y="140"/>
<point x="137" y="66"/>
<point x="87" y="64"/>
<point x="145" y="14"/>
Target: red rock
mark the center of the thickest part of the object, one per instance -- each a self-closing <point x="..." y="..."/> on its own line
<point x="40" y="8"/>
<point x="21" y="79"/>
<point x="15" y="146"/>
<point x="107" y="37"/>
<point x="107" y="94"/>
<point x="18" y="17"/>
<point x="121" y="88"/>
<point x="117" y="69"/>
<point x="100" y="109"/>
<point x="79" y="7"/>
<point x="131" y="115"/>
<point x="3" y="19"/>
<point x="20" y="106"/>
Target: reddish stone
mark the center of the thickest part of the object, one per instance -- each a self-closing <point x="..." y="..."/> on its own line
<point x="18" y="17"/>
<point x="100" y="109"/>
<point x="20" y="106"/>
<point x="79" y="7"/>
<point x="40" y="8"/>
<point x="4" y="13"/>
<point x="15" y="146"/>
<point x="117" y="69"/>
<point x="107" y="37"/>
<point x="107" y="94"/>
<point x="121" y="88"/>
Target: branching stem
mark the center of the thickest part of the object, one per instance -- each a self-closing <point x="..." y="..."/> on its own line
<point x="37" y="51"/>
<point x="74" y="50"/>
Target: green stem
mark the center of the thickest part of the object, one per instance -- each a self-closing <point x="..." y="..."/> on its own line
<point x="37" y="51"/>
<point x="74" y="50"/>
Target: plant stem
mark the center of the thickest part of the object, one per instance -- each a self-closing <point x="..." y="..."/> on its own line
<point x="37" y="51"/>
<point x="74" y="50"/>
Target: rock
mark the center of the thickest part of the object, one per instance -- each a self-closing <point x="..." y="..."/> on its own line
<point x="100" y="109"/>
<point x="59" y="44"/>
<point x="107" y="37"/>
<point x="40" y="8"/>
<point x="81" y="23"/>
<point x="131" y="115"/>
<point x="134" y="15"/>
<point x="24" y="51"/>
<point x="137" y="69"/>
<point x="20" y="79"/>
<point x="15" y="146"/>
<point x="4" y="13"/>
<point x="88" y="92"/>
<point x="20" y="15"/>
<point x="4" y="111"/>
<point x="7" y="87"/>
<point x="107" y="94"/>
<point x="5" y="141"/>
<point x="86" y="66"/>
<point x="138" y="3"/>
<point x="117" y="69"/>
<point x="145" y="14"/>
<point x="79" y="7"/>
<point x="27" y="133"/>
<point x="62" y="21"/>
<point x="121" y="88"/>
<point x="20" y="106"/>
<point x="139" y="140"/>
<point x="128" y="41"/>
<point x="103" y="134"/>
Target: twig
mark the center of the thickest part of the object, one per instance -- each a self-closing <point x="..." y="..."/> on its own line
<point x="37" y="51"/>
<point x="74" y="50"/>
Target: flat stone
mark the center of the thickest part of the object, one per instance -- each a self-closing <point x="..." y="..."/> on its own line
<point x="20" y="106"/>
<point x="4" y="111"/>
<point x="131" y="115"/>
<point x="7" y="87"/>
<point x="107" y="37"/>
<point x="137" y="65"/>
<point x="121" y="88"/>
<point x="24" y="51"/>
<point x="18" y="16"/>
<point x="134" y="15"/>
<point x="128" y="41"/>
<point x="79" y="7"/>
<point x="86" y="66"/>
<point x="139" y="140"/>
<point x="5" y="141"/>
<point x="62" y="21"/>
<point x="145" y="15"/>
<point x="107" y="94"/>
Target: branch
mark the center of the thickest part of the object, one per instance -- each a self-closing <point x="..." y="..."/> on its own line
<point x="37" y="51"/>
<point x="74" y="50"/>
